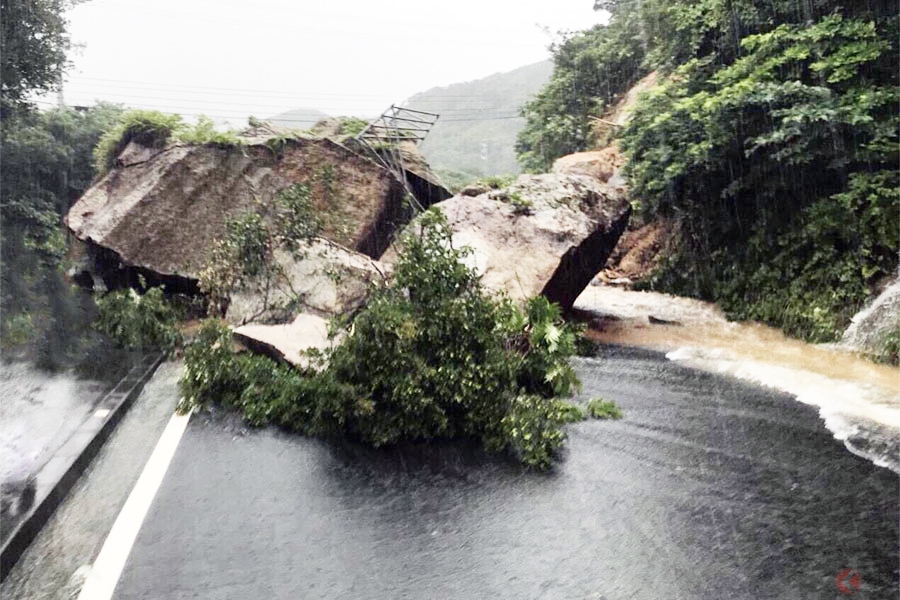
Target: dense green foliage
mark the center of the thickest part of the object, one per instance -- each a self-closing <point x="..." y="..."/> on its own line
<point x="783" y="169"/>
<point x="888" y="346"/>
<point x="772" y="139"/>
<point x="430" y="356"/>
<point x="33" y="46"/>
<point x="138" y="321"/>
<point x="591" y="69"/>
<point x="46" y="164"/>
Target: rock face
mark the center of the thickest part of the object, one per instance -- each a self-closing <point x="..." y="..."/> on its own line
<point x="161" y="210"/>
<point x="328" y="280"/>
<point x="544" y="234"/>
<point x="871" y="324"/>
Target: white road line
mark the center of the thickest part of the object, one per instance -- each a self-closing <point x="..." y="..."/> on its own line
<point x="105" y="573"/>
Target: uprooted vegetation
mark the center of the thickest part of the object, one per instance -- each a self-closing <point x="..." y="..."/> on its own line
<point x="139" y="321"/>
<point x="431" y="356"/>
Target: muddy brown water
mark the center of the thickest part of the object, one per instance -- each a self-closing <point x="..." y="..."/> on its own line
<point x="858" y="400"/>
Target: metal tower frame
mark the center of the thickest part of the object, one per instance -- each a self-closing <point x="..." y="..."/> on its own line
<point x="383" y="136"/>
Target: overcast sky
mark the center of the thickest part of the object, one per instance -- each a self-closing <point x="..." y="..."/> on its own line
<point x="229" y="59"/>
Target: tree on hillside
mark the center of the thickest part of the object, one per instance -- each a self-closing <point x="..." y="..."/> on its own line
<point x="782" y="168"/>
<point x="33" y="47"/>
<point x="590" y="69"/>
<point x="46" y="163"/>
<point x="772" y="139"/>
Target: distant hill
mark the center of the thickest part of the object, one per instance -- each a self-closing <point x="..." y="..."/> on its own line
<point x="299" y="118"/>
<point x="479" y="121"/>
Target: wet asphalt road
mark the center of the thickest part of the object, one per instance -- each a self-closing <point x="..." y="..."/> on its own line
<point x="708" y="488"/>
<point x="71" y="539"/>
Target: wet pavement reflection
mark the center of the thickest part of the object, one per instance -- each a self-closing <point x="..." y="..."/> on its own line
<point x="708" y="488"/>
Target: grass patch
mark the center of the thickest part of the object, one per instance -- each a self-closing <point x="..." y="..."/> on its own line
<point x="155" y="129"/>
<point x="146" y="127"/>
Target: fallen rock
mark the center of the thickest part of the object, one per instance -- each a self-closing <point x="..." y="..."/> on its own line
<point x="544" y="234"/>
<point x="322" y="278"/>
<point x="287" y="342"/>
<point x="602" y="164"/>
<point x="162" y="209"/>
<point x="869" y="327"/>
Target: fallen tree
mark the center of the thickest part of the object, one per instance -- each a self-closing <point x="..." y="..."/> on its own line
<point x="432" y="355"/>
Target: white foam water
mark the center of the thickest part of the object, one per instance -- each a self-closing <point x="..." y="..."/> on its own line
<point x="858" y="400"/>
<point x="865" y="416"/>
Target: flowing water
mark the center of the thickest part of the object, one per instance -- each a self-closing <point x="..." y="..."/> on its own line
<point x="858" y="400"/>
<point x="40" y="410"/>
<point x="708" y="488"/>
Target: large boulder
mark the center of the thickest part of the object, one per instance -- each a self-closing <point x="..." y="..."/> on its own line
<point x="160" y="214"/>
<point x="321" y="278"/>
<point x="870" y="326"/>
<point x="161" y="210"/>
<point x="544" y="234"/>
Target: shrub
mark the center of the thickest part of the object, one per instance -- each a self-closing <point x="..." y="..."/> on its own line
<point x="146" y="127"/>
<point x="598" y="408"/>
<point x="571" y="413"/>
<point x="16" y="329"/>
<point x="531" y="430"/>
<point x="155" y="129"/>
<point x="205" y="132"/>
<point x="298" y="219"/>
<point x="887" y="348"/>
<point x="138" y="321"/>
<point x="245" y="253"/>
<point x="431" y="356"/>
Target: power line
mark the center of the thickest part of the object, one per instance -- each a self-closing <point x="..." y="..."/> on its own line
<point x="232" y="116"/>
<point x="236" y="91"/>
<point x="464" y="111"/>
